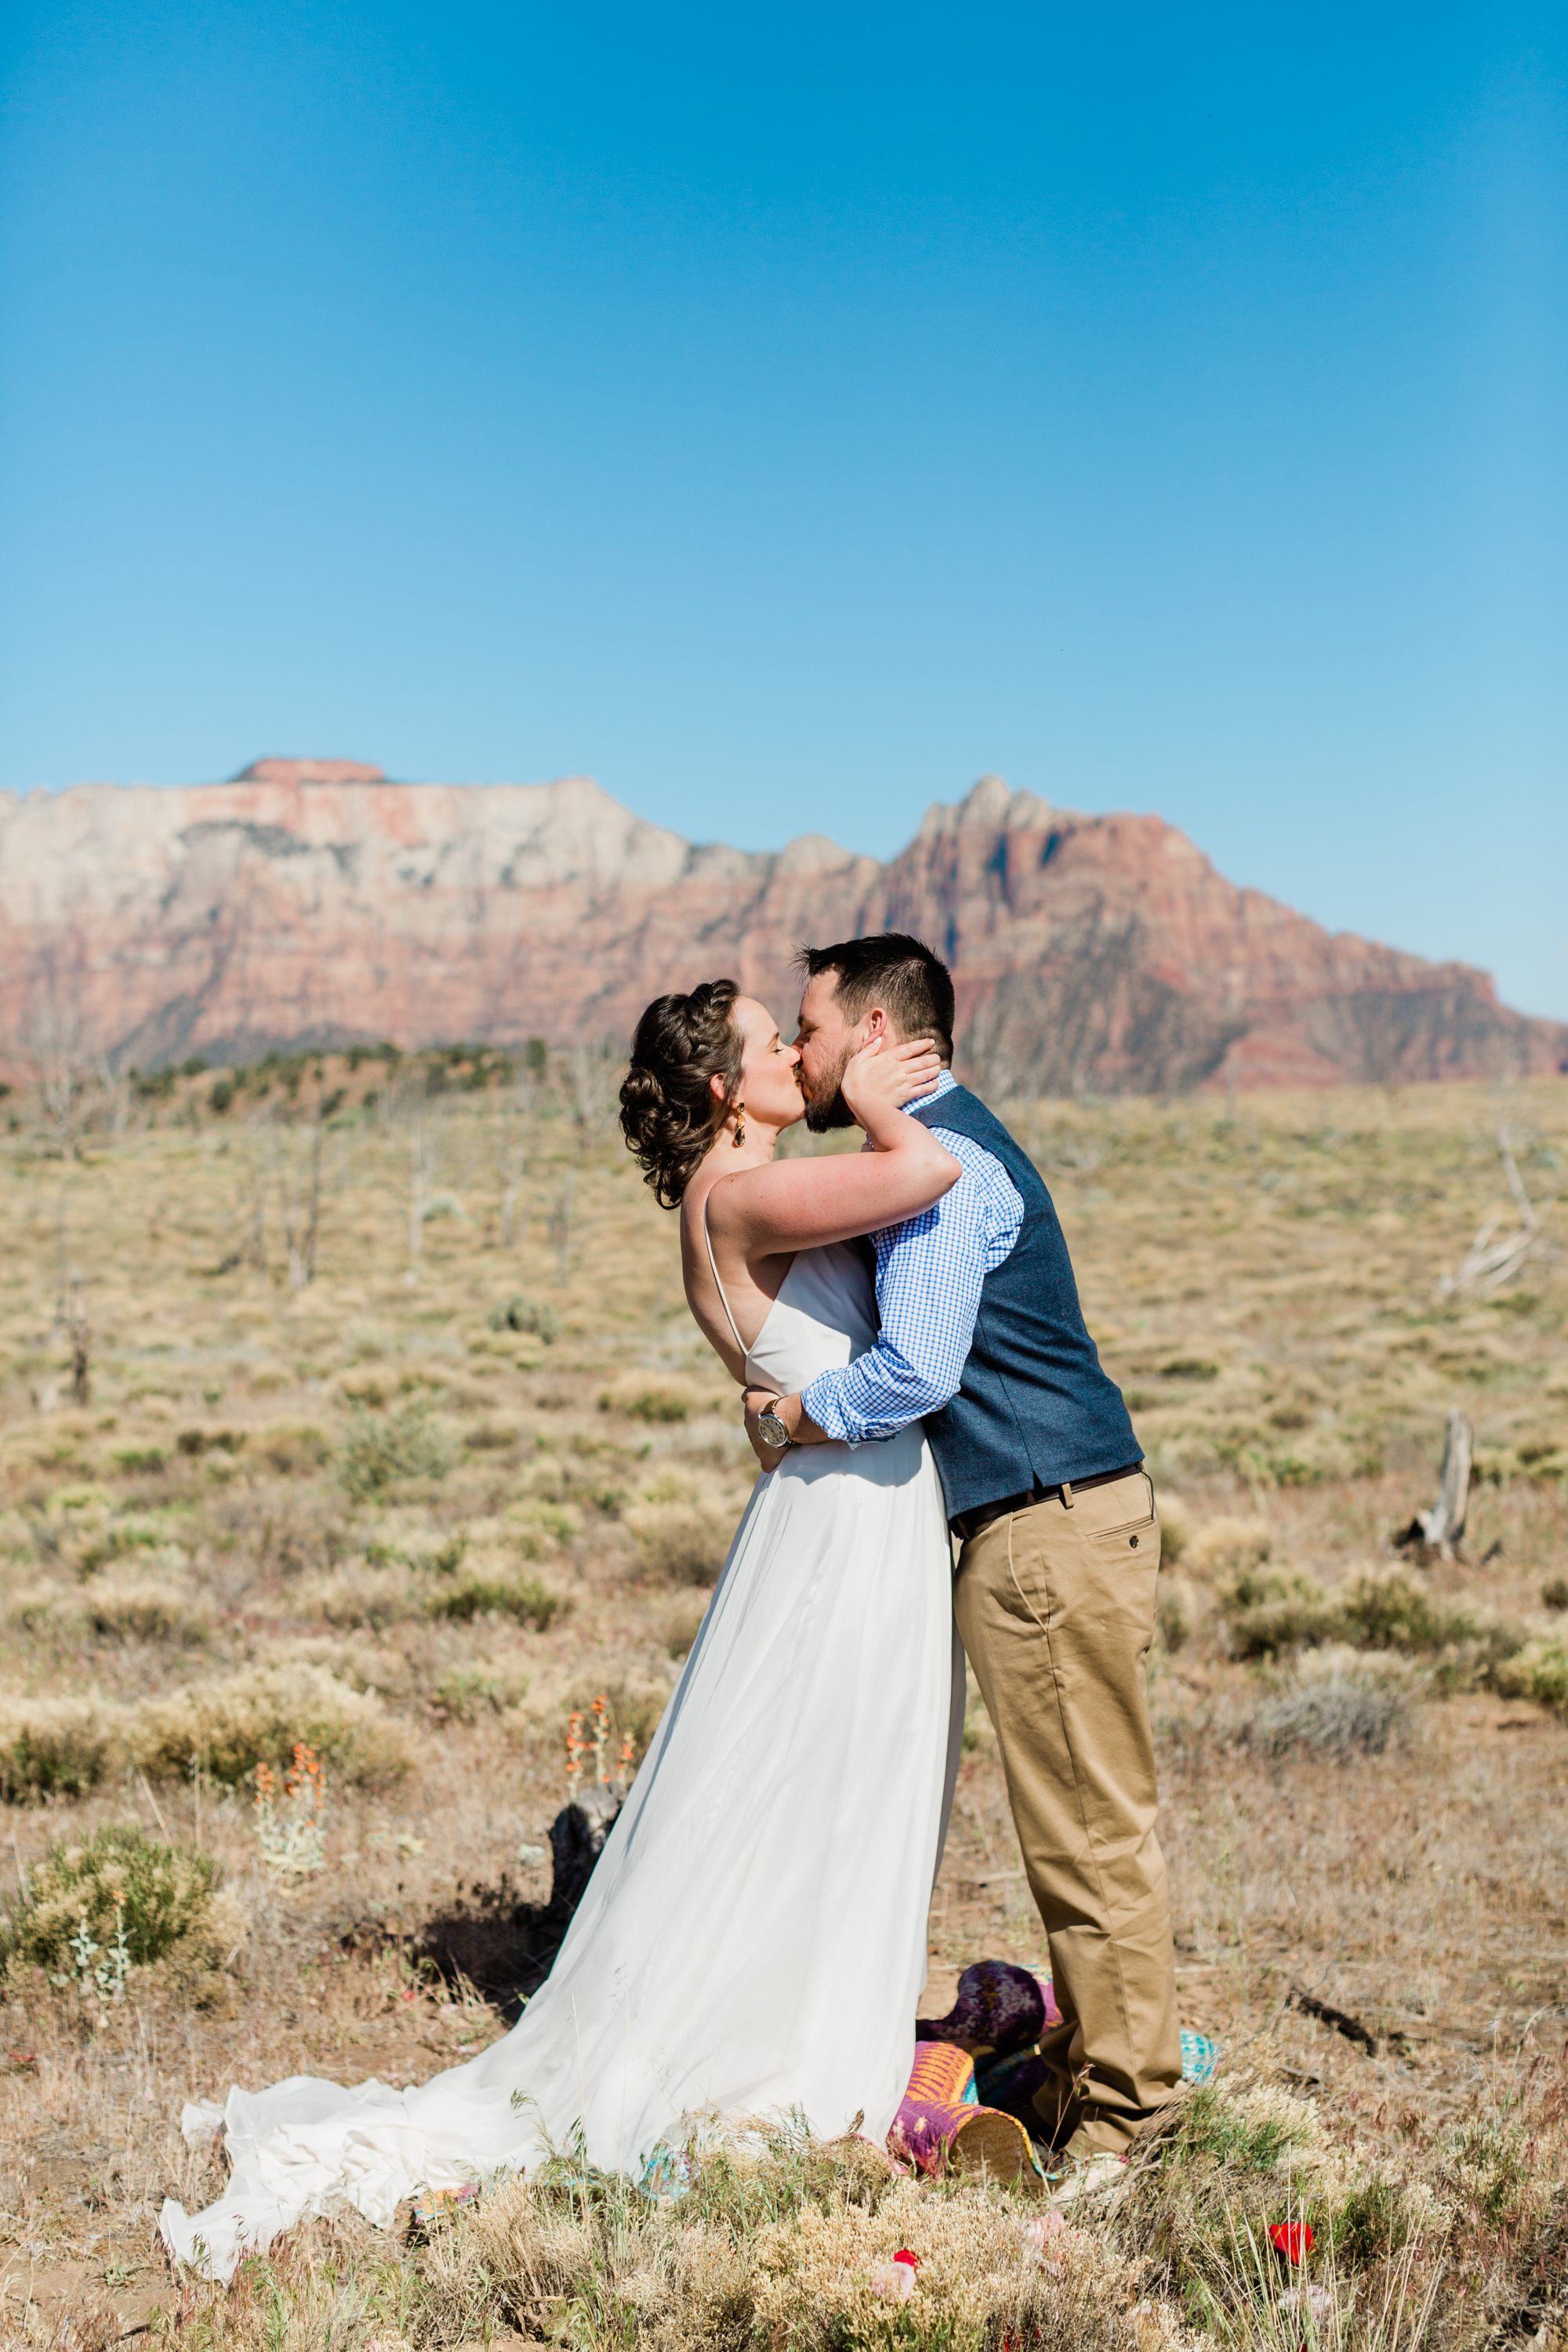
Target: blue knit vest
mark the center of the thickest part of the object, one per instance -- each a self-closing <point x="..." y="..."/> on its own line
<point x="1034" y="1404"/>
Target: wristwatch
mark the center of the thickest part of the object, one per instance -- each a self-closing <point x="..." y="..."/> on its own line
<point x="771" y="1429"/>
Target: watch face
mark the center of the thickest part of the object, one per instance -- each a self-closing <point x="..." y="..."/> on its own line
<point x="773" y="1429"/>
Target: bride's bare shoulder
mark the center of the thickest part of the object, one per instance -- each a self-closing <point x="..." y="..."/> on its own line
<point x="729" y="1197"/>
<point x="702" y="1212"/>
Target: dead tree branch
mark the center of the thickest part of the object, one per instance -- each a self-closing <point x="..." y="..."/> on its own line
<point x="514" y="1108"/>
<point x="299" y="1171"/>
<point x="1495" y="1258"/>
<point x="80" y="1333"/>
<point x="424" y="1158"/>
<point x="595" y="1073"/>
<point x="61" y="1054"/>
<point x="1436" y="1532"/>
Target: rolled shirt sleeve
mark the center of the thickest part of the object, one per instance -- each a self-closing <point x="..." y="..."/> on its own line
<point x="930" y="1272"/>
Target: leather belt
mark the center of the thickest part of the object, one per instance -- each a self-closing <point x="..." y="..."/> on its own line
<point x="968" y="1524"/>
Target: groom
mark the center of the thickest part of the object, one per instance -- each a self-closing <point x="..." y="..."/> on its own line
<point x="982" y="1339"/>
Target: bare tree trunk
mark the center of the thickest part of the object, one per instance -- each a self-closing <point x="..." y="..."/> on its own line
<point x="561" y="1223"/>
<point x="116" y="1088"/>
<point x="512" y="1111"/>
<point x="62" y="1063"/>
<point x="70" y="1310"/>
<point x="258" y="1165"/>
<point x="81" y="1332"/>
<point x="1438" y="1530"/>
<point x="314" y="1225"/>
<point x="301" y="1200"/>
<point x="62" y="1269"/>
<point x="595" y="1069"/>
<point x="422" y="1163"/>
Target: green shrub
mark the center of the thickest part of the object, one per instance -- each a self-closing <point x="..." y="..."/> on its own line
<point x="363" y="1595"/>
<point x="475" y="1594"/>
<point x="1237" y="2156"/>
<point x="1538" y="1671"/>
<point x="635" y="1710"/>
<point x="1390" y="1613"/>
<point x="531" y="1315"/>
<point x="167" y="1894"/>
<point x="1227" y="1546"/>
<point x="1374" y="2222"/>
<point x="125" y="1535"/>
<point x="654" y="1404"/>
<point x="293" y="1446"/>
<point x="1491" y="2161"/>
<point x="1266" y="1610"/>
<point x="1175" y="1530"/>
<point x="1174" y="1612"/>
<point x="681" y="1621"/>
<point x="56" y="1747"/>
<point x="492" y="1437"/>
<point x="383" y="1447"/>
<point x="466" y="1693"/>
<point x="147" y="1608"/>
<point x="1213" y="2124"/>
<point x="256" y="1716"/>
<point x="684" y="1545"/>
<point x="201" y="1441"/>
<point x="138" y="1458"/>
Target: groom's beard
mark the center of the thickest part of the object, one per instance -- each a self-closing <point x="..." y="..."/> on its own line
<point x="826" y="1109"/>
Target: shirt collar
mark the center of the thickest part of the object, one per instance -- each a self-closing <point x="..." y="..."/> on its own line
<point x="946" y="1085"/>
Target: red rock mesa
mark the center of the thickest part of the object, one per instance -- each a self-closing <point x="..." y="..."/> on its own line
<point x="313" y="902"/>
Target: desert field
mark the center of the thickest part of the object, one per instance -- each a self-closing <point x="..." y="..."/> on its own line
<point x="351" y="1403"/>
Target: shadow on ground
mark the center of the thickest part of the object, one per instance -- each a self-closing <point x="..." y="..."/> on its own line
<point x="488" y="1937"/>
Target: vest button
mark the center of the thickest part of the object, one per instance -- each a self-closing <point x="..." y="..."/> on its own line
<point x="1134" y="1542"/>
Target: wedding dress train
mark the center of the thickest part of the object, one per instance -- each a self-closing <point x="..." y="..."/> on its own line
<point x="752" y="1942"/>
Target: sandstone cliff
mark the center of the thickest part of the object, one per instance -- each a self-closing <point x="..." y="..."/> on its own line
<point x="314" y="901"/>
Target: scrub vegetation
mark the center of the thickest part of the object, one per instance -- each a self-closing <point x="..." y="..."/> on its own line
<point x="355" y="1440"/>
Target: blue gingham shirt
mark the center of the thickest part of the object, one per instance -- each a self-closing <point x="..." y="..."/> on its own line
<point x="929" y="1273"/>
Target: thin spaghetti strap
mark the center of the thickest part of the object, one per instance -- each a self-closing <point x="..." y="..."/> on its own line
<point x="718" y="1285"/>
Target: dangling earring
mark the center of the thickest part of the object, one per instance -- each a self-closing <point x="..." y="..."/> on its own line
<point x="740" y="1124"/>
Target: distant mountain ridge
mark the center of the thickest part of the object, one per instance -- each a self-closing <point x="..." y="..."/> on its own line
<point x="316" y="902"/>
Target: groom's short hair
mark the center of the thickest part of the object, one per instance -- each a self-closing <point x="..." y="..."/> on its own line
<point x="914" y="986"/>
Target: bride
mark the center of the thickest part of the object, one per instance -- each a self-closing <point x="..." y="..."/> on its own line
<point x="752" y="1942"/>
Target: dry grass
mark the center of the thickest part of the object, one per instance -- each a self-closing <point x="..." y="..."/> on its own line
<point x="415" y="1513"/>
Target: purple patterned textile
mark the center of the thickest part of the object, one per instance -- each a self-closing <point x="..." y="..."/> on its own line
<point x="939" y="2123"/>
<point x="1000" y="2008"/>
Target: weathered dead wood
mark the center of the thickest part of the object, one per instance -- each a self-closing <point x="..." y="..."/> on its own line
<point x="1351" y="2027"/>
<point x="1436" y="1532"/>
<point x="1494" y="1258"/>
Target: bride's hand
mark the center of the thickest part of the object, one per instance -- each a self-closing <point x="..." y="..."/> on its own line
<point x="884" y="1077"/>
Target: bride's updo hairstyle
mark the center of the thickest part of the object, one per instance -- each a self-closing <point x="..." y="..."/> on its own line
<point x="670" y="1115"/>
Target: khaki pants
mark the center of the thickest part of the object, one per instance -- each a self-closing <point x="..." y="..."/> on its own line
<point x="1056" y="1607"/>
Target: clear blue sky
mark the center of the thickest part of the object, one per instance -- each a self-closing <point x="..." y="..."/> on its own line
<point x="785" y="414"/>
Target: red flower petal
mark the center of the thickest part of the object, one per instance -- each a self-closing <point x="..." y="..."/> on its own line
<point x="1292" y="2239"/>
<point x="904" y="2255"/>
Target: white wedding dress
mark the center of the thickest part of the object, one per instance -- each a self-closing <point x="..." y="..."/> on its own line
<point x="752" y="1942"/>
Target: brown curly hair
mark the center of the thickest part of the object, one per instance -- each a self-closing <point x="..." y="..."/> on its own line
<point x="670" y="1115"/>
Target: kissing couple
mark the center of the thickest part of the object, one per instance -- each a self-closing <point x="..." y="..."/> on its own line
<point x="752" y="1942"/>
